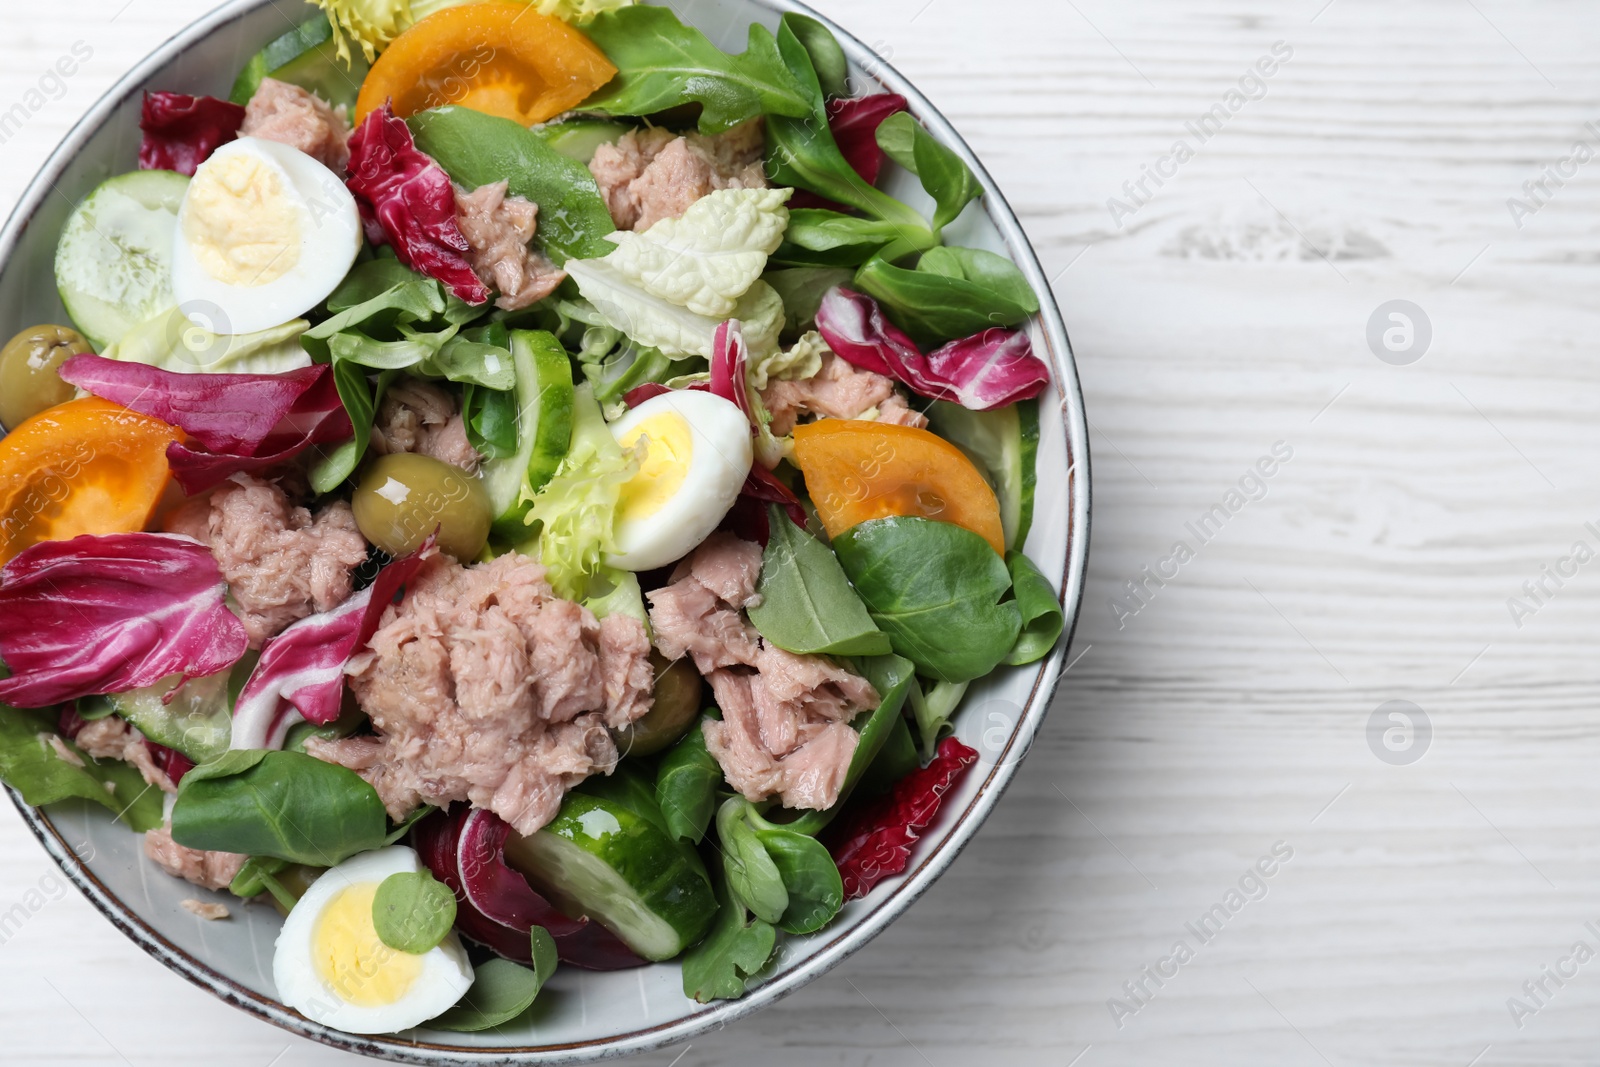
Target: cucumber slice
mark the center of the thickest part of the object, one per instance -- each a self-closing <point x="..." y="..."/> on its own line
<point x="579" y="139"/>
<point x="114" y="260"/>
<point x="306" y="56"/>
<point x="197" y="721"/>
<point x="609" y="855"/>
<point x="544" y="429"/>
<point x="1005" y="443"/>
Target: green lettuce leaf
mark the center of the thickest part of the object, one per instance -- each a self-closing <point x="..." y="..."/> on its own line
<point x="711" y="256"/>
<point x="678" y="332"/>
<point x="31" y="765"/>
<point x="173" y="343"/>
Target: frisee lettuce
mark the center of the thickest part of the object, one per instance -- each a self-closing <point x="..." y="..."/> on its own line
<point x="576" y="511"/>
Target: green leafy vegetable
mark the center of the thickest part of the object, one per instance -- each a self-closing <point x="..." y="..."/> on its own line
<point x="576" y="511"/>
<point x="259" y="875"/>
<point x="172" y="342"/>
<point x="932" y="709"/>
<point x="828" y="59"/>
<point x="662" y="63"/>
<point x="1005" y="442"/>
<point x="491" y="418"/>
<point x="654" y="322"/>
<point x="616" y="592"/>
<point x="935" y="588"/>
<point x="801" y="360"/>
<point x="801" y="289"/>
<point x="360" y="399"/>
<point x="817" y="237"/>
<point x="501" y="990"/>
<point x="285" y="805"/>
<point x="807" y="605"/>
<point x="945" y="176"/>
<point x="1042" y="618"/>
<point x="753" y="877"/>
<point x="476" y="149"/>
<point x="934" y="306"/>
<point x="686" y="786"/>
<point x="894" y="761"/>
<point x="816" y="892"/>
<point x="413" y="911"/>
<point x="30" y="764"/>
<point x="738" y="946"/>
<point x="801" y="151"/>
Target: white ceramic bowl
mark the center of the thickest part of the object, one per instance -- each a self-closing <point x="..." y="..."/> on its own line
<point x="582" y="1016"/>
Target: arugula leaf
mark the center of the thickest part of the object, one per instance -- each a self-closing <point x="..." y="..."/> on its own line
<point x="753" y="877"/>
<point x="934" y="307"/>
<point x="1042" y="618"/>
<point x="807" y="605"/>
<point x="413" y="911"/>
<point x="935" y="588"/>
<point x="945" y="176"/>
<point x="30" y="765"/>
<point x="686" y="786"/>
<point x="476" y="149"/>
<point x="501" y="990"/>
<point x="738" y="946"/>
<point x="662" y="63"/>
<point x="285" y="805"/>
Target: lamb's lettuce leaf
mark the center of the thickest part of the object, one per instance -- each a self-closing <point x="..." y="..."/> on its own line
<point x="30" y="764"/>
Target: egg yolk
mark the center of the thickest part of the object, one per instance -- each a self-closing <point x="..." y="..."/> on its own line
<point x="669" y="449"/>
<point x="350" y="958"/>
<point x="240" y="222"/>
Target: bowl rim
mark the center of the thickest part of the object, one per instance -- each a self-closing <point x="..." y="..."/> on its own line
<point x="962" y="826"/>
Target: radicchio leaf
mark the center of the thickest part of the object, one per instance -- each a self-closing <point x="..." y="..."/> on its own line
<point x="466" y="845"/>
<point x="990" y="369"/>
<point x="301" y="671"/>
<point x="874" y="841"/>
<point x="238" y="422"/>
<point x="181" y="131"/>
<point x="854" y="124"/>
<point x="109" y="613"/>
<point x="730" y="363"/>
<point x="408" y="199"/>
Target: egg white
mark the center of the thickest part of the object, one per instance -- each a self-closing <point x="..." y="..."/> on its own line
<point x="716" y="471"/>
<point x="329" y="227"/>
<point x="446" y="973"/>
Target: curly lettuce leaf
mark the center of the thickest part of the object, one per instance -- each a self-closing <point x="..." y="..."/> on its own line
<point x="800" y="361"/>
<point x="711" y="256"/>
<point x="577" y="509"/>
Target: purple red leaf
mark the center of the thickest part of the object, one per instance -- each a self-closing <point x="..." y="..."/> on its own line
<point x="110" y="613"/>
<point x="409" y="199"/>
<point x="301" y="670"/>
<point x="990" y="369"/>
<point x="854" y="123"/>
<point x="181" y="131"/>
<point x="238" y="422"/>
<point x="874" y="841"/>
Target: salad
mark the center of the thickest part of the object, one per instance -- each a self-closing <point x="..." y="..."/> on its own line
<point x="516" y="493"/>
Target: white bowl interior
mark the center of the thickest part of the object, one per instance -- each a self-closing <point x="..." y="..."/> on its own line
<point x="581" y="1015"/>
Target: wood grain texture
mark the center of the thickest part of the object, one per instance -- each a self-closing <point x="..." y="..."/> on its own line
<point x="1227" y="313"/>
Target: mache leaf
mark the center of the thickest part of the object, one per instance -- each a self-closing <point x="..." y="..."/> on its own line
<point x="686" y="786"/>
<point x="413" y="911"/>
<point x="501" y="990"/>
<point x="807" y="605"/>
<point x="738" y="946"/>
<point x="30" y="765"/>
<point x="1042" y="618"/>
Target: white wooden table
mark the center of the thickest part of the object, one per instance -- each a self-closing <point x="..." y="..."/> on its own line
<point x="1214" y="315"/>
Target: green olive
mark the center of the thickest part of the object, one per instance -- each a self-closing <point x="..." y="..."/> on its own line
<point x="28" y="379"/>
<point x="403" y="497"/>
<point x="676" y="709"/>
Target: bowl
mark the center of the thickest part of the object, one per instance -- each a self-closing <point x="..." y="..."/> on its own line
<point x="582" y="1016"/>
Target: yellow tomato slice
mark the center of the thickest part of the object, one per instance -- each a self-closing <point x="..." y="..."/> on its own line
<point x="84" y="467"/>
<point x="857" y="471"/>
<point x="503" y="59"/>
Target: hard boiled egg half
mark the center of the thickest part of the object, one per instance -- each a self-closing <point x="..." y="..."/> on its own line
<point x="264" y="234"/>
<point x="696" y="454"/>
<point x="331" y="966"/>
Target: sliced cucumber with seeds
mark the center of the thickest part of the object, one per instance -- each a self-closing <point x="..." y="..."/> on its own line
<point x="307" y="56"/>
<point x="114" y="260"/>
<point x="609" y="855"/>
<point x="1005" y="444"/>
<point x="544" y="429"/>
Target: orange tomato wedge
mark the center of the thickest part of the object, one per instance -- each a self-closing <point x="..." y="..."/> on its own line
<point x="503" y="59"/>
<point x="84" y="467"/>
<point x="857" y="471"/>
